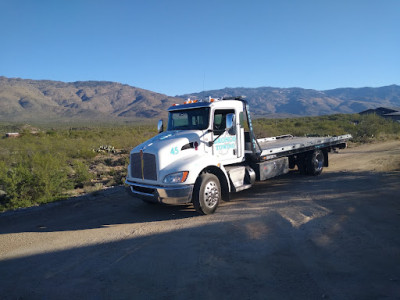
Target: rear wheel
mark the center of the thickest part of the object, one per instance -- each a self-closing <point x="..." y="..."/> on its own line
<point x="206" y="194"/>
<point x="315" y="163"/>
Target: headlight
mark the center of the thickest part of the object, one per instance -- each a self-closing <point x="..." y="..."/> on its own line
<point x="176" y="177"/>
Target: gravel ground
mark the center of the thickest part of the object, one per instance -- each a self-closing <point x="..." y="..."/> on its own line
<point x="335" y="236"/>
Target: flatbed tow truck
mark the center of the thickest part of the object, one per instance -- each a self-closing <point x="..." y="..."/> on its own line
<point x="209" y="150"/>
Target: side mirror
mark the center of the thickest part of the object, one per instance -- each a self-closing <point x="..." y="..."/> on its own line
<point x="230" y="121"/>
<point x="160" y="126"/>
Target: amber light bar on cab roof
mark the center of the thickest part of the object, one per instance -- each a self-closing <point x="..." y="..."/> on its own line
<point x="190" y="101"/>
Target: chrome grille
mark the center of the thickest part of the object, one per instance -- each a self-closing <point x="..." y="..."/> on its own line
<point x="143" y="167"/>
<point x="136" y="165"/>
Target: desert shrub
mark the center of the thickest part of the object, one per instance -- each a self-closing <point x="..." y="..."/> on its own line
<point x="33" y="179"/>
<point x="370" y="127"/>
<point x="94" y="188"/>
<point x="17" y="183"/>
<point x="119" y="177"/>
<point x="108" y="161"/>
<point x="51" y="176"/>
<point x="82" y="175"/>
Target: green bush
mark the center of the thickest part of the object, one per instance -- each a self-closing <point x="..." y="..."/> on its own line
<point x="18" y="184"/>
<point x="33" y="179"/>
<point x="82" y="175"/>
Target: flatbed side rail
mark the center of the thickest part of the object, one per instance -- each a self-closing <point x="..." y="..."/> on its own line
<point x="274" y="138"/>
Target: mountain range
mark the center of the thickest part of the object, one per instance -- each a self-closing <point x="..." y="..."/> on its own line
<point x="267" y="101"/>
<point x="45" y="100"/>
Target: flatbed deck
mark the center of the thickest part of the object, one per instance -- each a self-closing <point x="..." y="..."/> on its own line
<point x="286" y="145"/>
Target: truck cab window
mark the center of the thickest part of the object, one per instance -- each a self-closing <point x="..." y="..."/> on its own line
<point x="220" y="120"/>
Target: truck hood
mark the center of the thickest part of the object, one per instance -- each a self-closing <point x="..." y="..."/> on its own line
<point x="172" y="146"/>
<point x="169" y="139"/>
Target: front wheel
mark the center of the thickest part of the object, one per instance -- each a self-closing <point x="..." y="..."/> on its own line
<point x="206" y="194"/>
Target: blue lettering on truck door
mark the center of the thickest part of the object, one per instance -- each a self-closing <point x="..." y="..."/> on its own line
<point x="225" y="143"/>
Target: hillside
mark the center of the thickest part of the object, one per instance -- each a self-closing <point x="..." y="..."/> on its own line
<point x="45" y="100"/>
<point x="22" y="100"/>
<point x="306" y="102"/>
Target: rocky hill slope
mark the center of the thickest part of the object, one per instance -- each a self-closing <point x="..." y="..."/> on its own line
<point x="40" y="100"/>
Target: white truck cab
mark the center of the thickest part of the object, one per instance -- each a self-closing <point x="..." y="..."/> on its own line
<point x="205" y="154"/>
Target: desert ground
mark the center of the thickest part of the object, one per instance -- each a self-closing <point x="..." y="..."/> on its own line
<point x="334" y="236"/>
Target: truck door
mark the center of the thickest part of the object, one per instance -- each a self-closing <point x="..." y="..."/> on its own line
<point x="225" y="145"/>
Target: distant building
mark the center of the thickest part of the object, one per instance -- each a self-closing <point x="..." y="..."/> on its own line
<point x="385" y="112"/>
<point x="12" y="134"/>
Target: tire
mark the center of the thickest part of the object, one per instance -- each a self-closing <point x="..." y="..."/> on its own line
<point x="302" y="164"/>
<point x="315" y="163"/>
<point x="206" y="194"/>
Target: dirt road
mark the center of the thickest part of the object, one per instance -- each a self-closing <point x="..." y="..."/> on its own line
<point x="335" y="236"/>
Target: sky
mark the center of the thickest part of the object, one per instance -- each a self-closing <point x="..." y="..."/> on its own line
<point x="181" y="46"/>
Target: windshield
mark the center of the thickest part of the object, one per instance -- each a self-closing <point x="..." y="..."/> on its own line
<point x="189" y="119"/>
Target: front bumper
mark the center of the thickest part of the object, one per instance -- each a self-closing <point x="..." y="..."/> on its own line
<point x="181" y="194"/>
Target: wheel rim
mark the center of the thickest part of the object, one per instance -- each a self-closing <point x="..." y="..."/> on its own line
<point x="318" y="162"/>
<point x="211" y="194"/>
